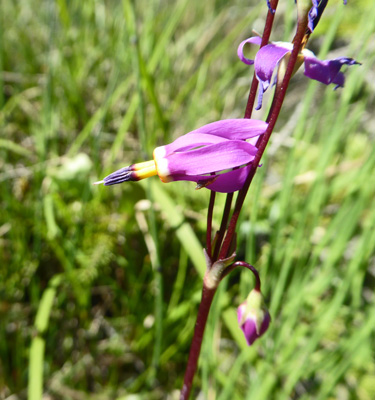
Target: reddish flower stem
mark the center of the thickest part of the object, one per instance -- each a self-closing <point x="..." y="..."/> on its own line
<point x="223" y="225"/>
<point x="301" y="28"/>
<point x="248" y="266"/>
<point x="195" y="348"/>
<point x="265" y="38"/>
<point x="208" y="293"/>
<point x="248" y="111"/>
<point x="209" y="223"/>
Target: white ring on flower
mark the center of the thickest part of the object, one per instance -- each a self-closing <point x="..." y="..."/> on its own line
<point x="162" y="164"/>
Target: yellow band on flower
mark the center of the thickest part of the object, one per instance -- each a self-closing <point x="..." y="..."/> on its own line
<point x="145" y="169"/>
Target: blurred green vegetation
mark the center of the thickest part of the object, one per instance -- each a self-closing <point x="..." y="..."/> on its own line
<point x="99" y="286"/>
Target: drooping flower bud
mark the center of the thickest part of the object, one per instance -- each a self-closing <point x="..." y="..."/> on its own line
<point x="253" y="316"/>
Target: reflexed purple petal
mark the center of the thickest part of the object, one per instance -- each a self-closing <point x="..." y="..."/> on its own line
<point x="234" y="129"/>
<point x="192" y="140"/>
<point x="261" y="91"/>
<point x="313" y="13"/>
<point x="212" y="158"/>
<point x="316" y="12"/>
<point x="231" y="181"/>
<point x="227" y="182"/>
<point x="253" y="40"/>
<point x="216" y="132"/>
<point x="266" y="60"/>
<point x="339" y="80"/>
<point x="326" y="71"/>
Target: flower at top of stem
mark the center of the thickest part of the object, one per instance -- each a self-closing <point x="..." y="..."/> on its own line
<point x="253" y="316"/>
<point x="316" y="12"/>
<point x="216" y="156"/>
<point x="269" y="57"/>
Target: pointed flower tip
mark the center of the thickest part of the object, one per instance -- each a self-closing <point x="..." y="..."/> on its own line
<point x="119" y="176"/>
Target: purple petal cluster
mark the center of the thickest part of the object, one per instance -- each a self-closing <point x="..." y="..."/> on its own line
<point x="316" y="12"/>
<point x="216" y="156"/>
<point x="268" y="58"/>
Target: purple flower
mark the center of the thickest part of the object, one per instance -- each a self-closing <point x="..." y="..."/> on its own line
<point x="270" y="56"/>
<point x="216" y="156"/>
<point x="253" y="317"/>
<point x="316" y="12"/>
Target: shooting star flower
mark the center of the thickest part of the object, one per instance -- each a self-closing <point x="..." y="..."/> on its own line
<point x="216" y="156"/>
<point x="316" y="12"/>
<point x="270" y="56"/>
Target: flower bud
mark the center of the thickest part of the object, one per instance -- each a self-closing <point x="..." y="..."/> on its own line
<point x="253" y="316"/>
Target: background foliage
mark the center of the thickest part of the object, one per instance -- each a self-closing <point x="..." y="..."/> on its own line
<point x="99" y="286"/>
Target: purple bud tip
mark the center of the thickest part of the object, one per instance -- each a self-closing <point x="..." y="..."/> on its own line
<point x="122" y="175"/>
<point x="250" y="327"/>
<point x="253" y="317"/>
